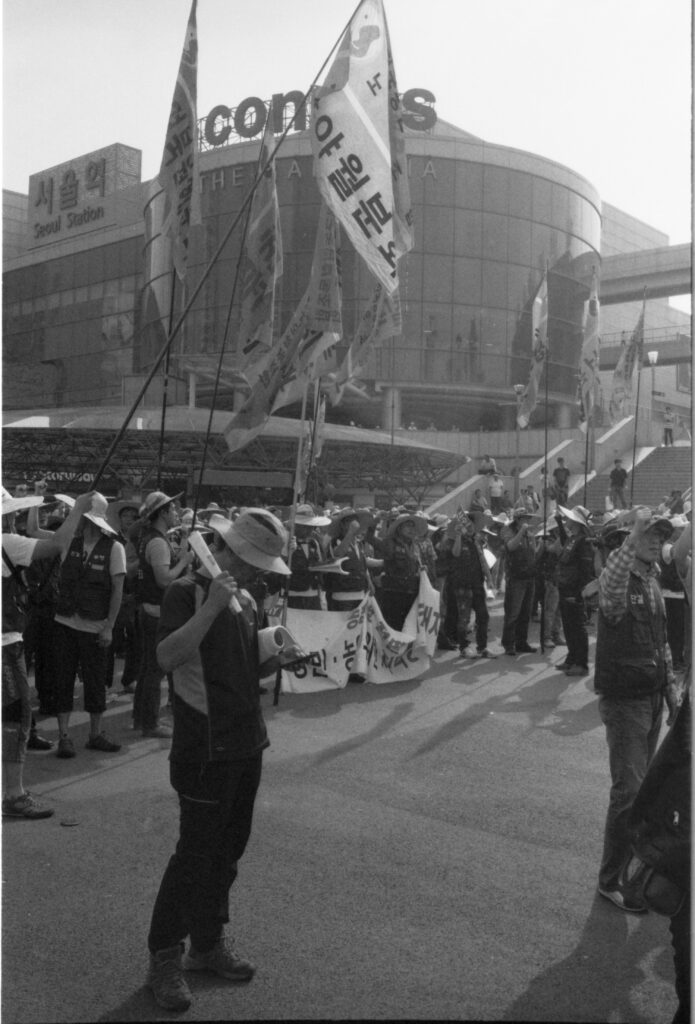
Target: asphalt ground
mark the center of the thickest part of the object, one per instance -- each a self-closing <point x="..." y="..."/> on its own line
<point x="421" y="850"/>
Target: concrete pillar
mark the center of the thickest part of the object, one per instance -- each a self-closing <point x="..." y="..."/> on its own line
<point x="391" y="409"/>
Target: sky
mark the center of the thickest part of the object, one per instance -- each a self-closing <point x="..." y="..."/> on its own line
<point x="602" y="86"/>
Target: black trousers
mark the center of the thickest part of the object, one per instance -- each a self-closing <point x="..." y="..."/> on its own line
<point x="216" y="802"/>
<point x="574" y="626"/>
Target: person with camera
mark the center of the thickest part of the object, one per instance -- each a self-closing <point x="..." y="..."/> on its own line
<point x="467" y="575"/>
<point x="633" y="677"/>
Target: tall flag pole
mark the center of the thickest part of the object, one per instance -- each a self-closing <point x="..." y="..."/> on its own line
<point x="539" y="327"/>
<point x="264" y="266"/>
<point x="359" y="146"/>
<point x="637" y="357"/>
<point x="589" y="366"/>
<point x="624" y="370"/>
<point x="178" y="173"/>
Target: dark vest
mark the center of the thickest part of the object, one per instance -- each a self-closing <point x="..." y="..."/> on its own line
<point x="521" y="562"/>
<point x="630" y="655"/>
<point x="575" y="566"/>
<point x="85" y="587"/>
<point x="147" y="589"/>
<point x="302" y="577"/>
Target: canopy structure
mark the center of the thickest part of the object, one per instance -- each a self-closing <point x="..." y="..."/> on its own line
<point x="73" y="443"/>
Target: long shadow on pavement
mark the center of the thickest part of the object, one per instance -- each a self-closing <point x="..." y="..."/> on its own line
<point x="595" y="982"/>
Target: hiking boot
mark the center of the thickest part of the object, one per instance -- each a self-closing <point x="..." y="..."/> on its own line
<point x="166" y="980"/>
<point x="549" y="645"/>
<point x="525" y="649"/>
<point x="101" y="742"/>
<point x="510" y="651"/>
<point x="222" y="960"/>
<point x="484" y="653"/>
<point x="160" y="732"/>
<point x="577" y="670"/>
<point x="66" y="748"/>
<point x="25" y="806"/>
<point x="629" y="904"/>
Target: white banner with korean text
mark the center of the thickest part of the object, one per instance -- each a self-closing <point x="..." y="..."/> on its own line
<point x="361" y="643"/>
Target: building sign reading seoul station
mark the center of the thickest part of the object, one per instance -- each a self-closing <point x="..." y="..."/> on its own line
<point x="224" y="125"/>
<point x="78" y="196"/>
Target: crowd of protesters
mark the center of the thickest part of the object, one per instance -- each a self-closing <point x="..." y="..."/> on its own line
<point x="87" y="580"/>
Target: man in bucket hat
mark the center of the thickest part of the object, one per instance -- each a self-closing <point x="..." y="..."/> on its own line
<point x="18" y="552"/>
<point x="90" y="588"/>
<point x="157" y="568"/>
<point x="208" y="640"/>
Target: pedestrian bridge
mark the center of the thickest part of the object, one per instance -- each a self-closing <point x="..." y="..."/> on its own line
<point x="663" y="272"/>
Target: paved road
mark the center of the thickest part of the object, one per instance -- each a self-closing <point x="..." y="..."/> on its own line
<point x="421" y="850"/>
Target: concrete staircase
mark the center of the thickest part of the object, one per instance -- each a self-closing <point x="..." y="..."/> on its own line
<point x="660" y="472"/>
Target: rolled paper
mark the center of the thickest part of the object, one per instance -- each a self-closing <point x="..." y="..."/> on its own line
<point x="207" y="559"/>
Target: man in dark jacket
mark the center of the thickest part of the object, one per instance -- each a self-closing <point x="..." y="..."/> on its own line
<point x="575" y="568"/>
<point x="467" y="573"/>
<point x="633" y="676"/>
<point x="209" y="639"/>
<point x="520" y="568"/>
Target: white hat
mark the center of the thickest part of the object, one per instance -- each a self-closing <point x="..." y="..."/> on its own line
<point x="10" y="504"/>
<point x="97" y="513"/>
<point x="156" y="501"/>
<point x="306" y="516"/>
<point x="256" y="536"/>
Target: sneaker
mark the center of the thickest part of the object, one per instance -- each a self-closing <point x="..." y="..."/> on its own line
<point x="166" y="980"/>
<point x="576" y="670"/>
<point x="525" y="649"/>
<point x="484" y="654"/>
<point x="101" y="742"/>
<point x="66" y="748"/>
<point x="25" y="806"/>
<point x="36" y="742"/>
<point x="549" y="645"/>
<point x="222" y="960"/>
<point x="629" y="904"/>
<point x="160" y="732"/>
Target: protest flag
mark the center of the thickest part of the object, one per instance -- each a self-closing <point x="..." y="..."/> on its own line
<point x="318" y="314"/>
<point x="588" y="370"/>
<point x="178" y="173"/>
<point x="539" y="326"/>
<point x="380" y="320"/>
<point x="630" y="354"/>
<point x="263" y="266"/>
<point x="359" y="146"/>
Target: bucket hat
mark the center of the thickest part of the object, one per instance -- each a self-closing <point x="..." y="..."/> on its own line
<point x="115" y="508"/>
<point x="10" y="504"/>
<point x="578" y="514"/>
<point x="97" y="513"/>
<point x="365" y="517"/>
<point x="256" y="536"/>
<point x="522" y="513"/>
<point x="306" y="516"/>
<point x="154" y="502"/>
<point x="419" y="522"/>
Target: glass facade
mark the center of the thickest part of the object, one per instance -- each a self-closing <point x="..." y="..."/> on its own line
<point x="485" y="230"/>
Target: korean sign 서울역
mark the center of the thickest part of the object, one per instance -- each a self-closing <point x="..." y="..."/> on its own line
<point x="78" y="196"/>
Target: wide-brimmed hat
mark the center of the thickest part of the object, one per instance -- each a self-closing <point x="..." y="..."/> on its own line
<point x="578" y="514"/>
<point x="97" y="513"/>
<point x="256" y="536"/>
<point x="521" y="512"/>
<point x="679" y="522"/>
<point x="305" y="515"/>
<point x="419" y="522"/>
<point x="113" y="512"/>
<point x="548" y="527"/>
<point x="656" y="520"/>
<point x="10" y="504"/>
<point x="365" y="517"/>
<point x="156" y="501"/>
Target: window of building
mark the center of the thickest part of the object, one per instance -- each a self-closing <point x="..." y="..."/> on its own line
<point x="496" y="190"/>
